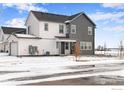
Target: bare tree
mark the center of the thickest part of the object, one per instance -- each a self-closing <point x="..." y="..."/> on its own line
<point x="77" y="50"/>
<point x="121" y="49"/>
<point x="104" y="48"/>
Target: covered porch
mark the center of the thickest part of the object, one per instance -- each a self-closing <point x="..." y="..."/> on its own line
<point x="65" y="46"/>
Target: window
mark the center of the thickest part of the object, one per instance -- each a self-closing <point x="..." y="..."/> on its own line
<point x="73" y="29"/>
<point x="45" y="26"/>
<point x="89" y="45"/>
<point x="89" y="30"/>
<point x="57" y="44"/>
<point x="29" y="29"/>
<point x="82" y="45"/>
<point x="66" y="45"/>
<point x="86" y="45"/>
<point x="61" y="28"/>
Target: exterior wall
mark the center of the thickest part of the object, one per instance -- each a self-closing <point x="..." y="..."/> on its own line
<point x="1" y="47"/>
<point x="82" y="24"/>
<point x="12" y="46"/>
<point x="53" y="30"/>
<point x="1" y="38"/>
<point x="34" y="24"/>
<point x="43" y="45"/>
<point x="1" y="34"/>
<point x="5" y="45"/>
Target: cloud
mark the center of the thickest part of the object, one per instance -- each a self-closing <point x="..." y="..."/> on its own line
<point x="16" y="22"/>
<point x="113" y="16"/>
<point x="114" y="5"/>
<point x="25" y="7"/>
<point x="113" y="28"/>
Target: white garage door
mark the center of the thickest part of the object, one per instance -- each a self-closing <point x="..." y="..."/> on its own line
<point x="14" y="48"/>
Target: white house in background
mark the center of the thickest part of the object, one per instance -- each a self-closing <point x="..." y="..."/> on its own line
<point x="50" y="34"/>
<point x="5" y="33"/>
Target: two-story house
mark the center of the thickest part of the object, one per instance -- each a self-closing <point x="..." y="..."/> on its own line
<point x="53" y="34"/>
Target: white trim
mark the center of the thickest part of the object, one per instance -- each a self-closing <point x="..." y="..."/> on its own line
<point x="27" y="18"/>
<point x="66" y="40"/>
<point x="74" y="18"/>
<point x="85" y="44"/>
<point x="63" y="28"/>
<point x="90" y="30"/>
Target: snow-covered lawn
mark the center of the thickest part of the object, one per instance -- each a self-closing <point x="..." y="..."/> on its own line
<point x="19" y="67"/>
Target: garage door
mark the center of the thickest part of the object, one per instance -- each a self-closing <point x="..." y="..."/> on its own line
<point x="14" y="48"/>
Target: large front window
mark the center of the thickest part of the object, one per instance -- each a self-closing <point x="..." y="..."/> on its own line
<point x="86" y="45"/>
<point x="61" y="28"/>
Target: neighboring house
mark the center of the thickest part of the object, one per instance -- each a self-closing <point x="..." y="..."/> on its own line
<point x="5" y="33"/>
<point x="53" y="34"/>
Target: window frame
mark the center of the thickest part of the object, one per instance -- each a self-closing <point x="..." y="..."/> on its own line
<point x="73" y="27"/>
<point x="90" y="30"/>
<point x="61" y="25"/>
<point x="29" y="29"/>
<point x="85" y="45"/>
<point x="46" y="27"/>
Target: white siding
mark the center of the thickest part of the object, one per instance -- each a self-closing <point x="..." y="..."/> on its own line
<point x="53" y="30"/>
<point x="42" y="44"/>
<point x="34" y="24"/>
<point x="14" y="48"/>
<point x="1" y="34"/>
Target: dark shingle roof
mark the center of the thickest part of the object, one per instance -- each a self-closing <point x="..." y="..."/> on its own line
<point x="57" y="17"/>
<point x="50" y="16"/>
<point x="10" y="30"/>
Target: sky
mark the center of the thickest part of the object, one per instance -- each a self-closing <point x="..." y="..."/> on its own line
<point x="109" y="18"/>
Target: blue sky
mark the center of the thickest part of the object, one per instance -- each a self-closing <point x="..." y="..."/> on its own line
<point x="108" y="17"/>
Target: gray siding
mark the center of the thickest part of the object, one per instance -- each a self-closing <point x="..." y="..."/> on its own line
<point x="82" y="24"/>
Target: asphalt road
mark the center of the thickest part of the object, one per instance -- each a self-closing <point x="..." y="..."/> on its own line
<point x="92" y="80"/>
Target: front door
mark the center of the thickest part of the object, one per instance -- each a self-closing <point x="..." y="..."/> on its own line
<point x="62" y="48"/>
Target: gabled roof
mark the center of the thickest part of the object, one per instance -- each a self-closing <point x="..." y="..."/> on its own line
<point x="10" y="30"/>
<point x="57" y="17"/>
<point x="73" y="16"/>
<point x="49" y="16"/>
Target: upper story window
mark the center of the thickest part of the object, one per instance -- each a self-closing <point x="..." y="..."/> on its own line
<point x="29" y="29"/>
<point x="61" y="28"/>
<point x="73" y="29"/>
<point x="45" y="26"/>
<point x="90" y="32"/>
